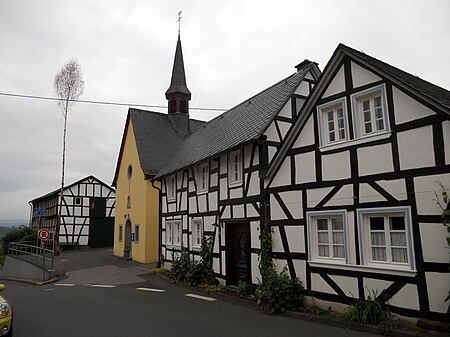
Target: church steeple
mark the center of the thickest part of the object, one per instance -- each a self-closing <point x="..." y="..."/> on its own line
<point x="178" y="95"/>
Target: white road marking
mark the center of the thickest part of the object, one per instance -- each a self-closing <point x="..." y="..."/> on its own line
<point x="50" y="289"/>
<point x="209" y="299"/>
<point x="151" y="290"/>
<point x="102" y="286"/>
<point x="65" y="284"/>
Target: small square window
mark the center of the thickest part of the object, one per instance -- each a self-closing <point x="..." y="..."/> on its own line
<point x="327" y="236"/>
<point x="120" y="233"/>
<point x="136" y="233"/>
<point x="77" y="201"/>
<point x="333" y="123"/>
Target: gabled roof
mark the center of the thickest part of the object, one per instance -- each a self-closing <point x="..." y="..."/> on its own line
<point x="239" y="125"/>
<point x="431" y="93"/>
<point x="66" y="187"/>
<point x="157" y="138"/>
<point x="178" y="81"/>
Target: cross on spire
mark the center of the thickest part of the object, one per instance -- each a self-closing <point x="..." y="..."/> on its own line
<point x="179" y="22"/>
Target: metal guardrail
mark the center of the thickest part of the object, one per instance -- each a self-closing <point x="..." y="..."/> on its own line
<point x="34" y="254"/>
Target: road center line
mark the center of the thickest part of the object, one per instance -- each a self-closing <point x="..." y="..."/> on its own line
<point x="102" y="286"/>
<point x="151" y="290"/>
<point x="209" y="299"/>
<point x="65" y="284"/>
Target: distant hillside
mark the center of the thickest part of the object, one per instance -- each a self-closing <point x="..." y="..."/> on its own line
<point x="13" y="222"/>
<point x="4" y="230"/>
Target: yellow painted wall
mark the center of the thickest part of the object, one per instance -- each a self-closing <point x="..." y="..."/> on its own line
<point x="144" y="208"/>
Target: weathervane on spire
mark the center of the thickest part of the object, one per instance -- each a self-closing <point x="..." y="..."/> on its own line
<point x="179" y="22"/>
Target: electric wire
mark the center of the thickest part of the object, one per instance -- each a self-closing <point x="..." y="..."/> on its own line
<point x="47" y="98"/>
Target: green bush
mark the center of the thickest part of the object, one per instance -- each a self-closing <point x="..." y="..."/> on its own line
<point x="279" y="292"/>
<point x="367" y="311"/>
<point x="247" y="291"/>
<point x="19" y="234"/>
<point x="180" y="267"/>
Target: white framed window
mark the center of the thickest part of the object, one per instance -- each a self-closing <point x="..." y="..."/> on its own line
<point x="136" y="233"/>
<point x="333" y="122"/>
<point x="327" y="236"/>
<point x="203" y="177"/>
<point x="385" y="237"/>
<point x="369" y="110"/>
<point x="235" y="167"/>
<point x="169" y="233"/>
<point x="177" y="233"/>
<point x="120" y="233"/>
<point x="77" y="201"/>
<point x="171" y="187"/>
<point x="197" y="233"/>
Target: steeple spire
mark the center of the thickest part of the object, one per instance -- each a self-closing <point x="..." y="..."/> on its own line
<point x="178" y="94"/>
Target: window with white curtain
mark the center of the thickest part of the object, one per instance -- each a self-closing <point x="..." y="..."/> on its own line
<point x="386" y="237"/>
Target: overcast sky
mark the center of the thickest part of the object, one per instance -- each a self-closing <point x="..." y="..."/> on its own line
<point x="232" y="50"/>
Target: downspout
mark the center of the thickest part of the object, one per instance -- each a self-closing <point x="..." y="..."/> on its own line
<point x="152" y="180"/>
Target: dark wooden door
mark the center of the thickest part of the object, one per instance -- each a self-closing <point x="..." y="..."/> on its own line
<point x="238" y="252"/>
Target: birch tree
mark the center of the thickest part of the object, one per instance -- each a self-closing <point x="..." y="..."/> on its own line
<point x="68" y="87"/>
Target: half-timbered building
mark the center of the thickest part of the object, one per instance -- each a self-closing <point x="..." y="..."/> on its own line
<point x="87" y="213"/>
<point x="353" y="189"/>
<point x="212" y="184"/>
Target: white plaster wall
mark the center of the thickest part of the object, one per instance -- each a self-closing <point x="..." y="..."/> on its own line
<point x="337" y="84"/>
<point x="272" y="150"/>
<point x="375" y="159"/>
<point x="90" y="189"/>
<point x="251" y="211"/>
<point x="396" y="188"/>
<point x="408" y="109"/>
<point x="318" y="284"/>
<point x="351" y="236"/>
<point x="407" y="297"/>
<point x="271" y="133"/>
<point x="183" y="201"/>
<point x="279" y="264"/>
<point x="303" y="89"/>
<point x="286" y="110"/>
<point x="306" y="136"/>
<point x="238" y="211"/>
<point x="223" y="164"/>
<point x="293" y="202"/>
<point x="164" y="204"/>
<point x="434" y="244"/>
<point x="374" y="284"/>
<point x="192" y="204"/>
<point x="308" y="76"/>
<point x="305" y="165"/>
<point x="349" y="285"/>
<point x="438" y="287"/>
<point x="83" y="241"/>
<point x="191" y="186"/>
<point x="254" y="234"/>
<point x="276" y="212"/>
<point x="213" y="205"/>
<point x="247" y="155"/>
<point x="300" y="270"/>
<point x="361" y="76"/>
<point x="446" y="131"/>
<point x="224" y="262"/>
<point x="202" y="203"/>
<point x="368" y="194"/>
<point x="216" y="265"/>
<point x="256" y="275"/>
<point x="277" y="244"/>
<point x="336" y="166"/>
<point x="223" y="189"/>
<point x="343" y="197"/>
<point x="296" y="238"/>
<point x="76" y="211"/>
<point x="316" y="195"/>
<point x="253" y="188"/>
<point x="426" y="189"/>
<point x="284" y="128"/>
<point x="236" y="193"/>
<point x="226" y="213"/>
<point x="283" y="176"/>
<point x="415" y="148"/>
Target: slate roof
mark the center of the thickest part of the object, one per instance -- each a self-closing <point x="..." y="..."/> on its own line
<point x="241" y="124"/>
<point x="178" y="81"/>
<point x="438" y="94"/>
<point x="57" y="191"/>
<point x="157" y="138"/>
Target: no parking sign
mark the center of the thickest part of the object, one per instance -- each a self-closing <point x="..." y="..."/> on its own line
<point x="44" y="234"/>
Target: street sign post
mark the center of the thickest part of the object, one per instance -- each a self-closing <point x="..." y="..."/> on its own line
<point x="43" y="234"/>
<point x="39" y="211"/>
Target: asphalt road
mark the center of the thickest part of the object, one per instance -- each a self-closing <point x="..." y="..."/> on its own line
<point x="85" y="304"/>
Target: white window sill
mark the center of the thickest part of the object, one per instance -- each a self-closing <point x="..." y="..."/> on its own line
<point x="359" y="140"/>
<point x="200" y="192"/>
<point x="388" y="269"/>
<point x="171" y="199"/>
<point x="235" y="184"/>
<point x="196" y="248"/>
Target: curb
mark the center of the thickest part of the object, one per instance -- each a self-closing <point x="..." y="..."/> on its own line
<point x="29" y="281"/>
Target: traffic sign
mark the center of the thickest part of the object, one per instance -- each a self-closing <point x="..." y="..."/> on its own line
<point x="39" y="211"/>
<point x="44" y="234"/>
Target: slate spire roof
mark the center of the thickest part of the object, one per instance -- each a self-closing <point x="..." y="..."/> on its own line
<point x="244" y="123"/>
<point x="178" y="81"/>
